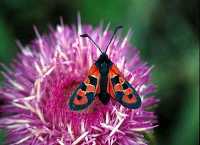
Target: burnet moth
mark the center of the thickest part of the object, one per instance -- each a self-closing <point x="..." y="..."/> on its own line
<point x="105" y="81"/>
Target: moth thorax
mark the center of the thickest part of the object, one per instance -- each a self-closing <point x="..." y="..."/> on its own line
<point x="104" y="68"/>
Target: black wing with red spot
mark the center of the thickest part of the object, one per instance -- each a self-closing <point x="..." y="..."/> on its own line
<point x="122" y="91"/>
<point x="84" y="95"/>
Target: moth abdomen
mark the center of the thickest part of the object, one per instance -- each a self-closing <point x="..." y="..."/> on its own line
<point x="104" y="97"/>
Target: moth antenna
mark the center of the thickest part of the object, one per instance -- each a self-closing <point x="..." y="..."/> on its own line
<point x="115" y="31"/>
<point x="86" y="35"/>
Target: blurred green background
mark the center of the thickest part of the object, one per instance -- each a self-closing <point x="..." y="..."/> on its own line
<point x="165" y="32"/>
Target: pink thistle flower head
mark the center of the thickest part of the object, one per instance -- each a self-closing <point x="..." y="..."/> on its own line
<point x="44" y="75"/>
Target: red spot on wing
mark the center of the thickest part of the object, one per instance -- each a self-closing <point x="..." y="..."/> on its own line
<point x="115" y="70"/>
<point x="81" y="101"/>
<point x="90" y="88"/>
<point x="81" y="93"/>
<point x="118" y="87"/>
<point x="93" y="70"/>
<point x="128" y="100"/>
<point x="128" y="91"/>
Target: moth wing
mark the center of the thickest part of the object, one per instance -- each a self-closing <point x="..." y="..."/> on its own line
<point x="84" y="95"/>
<point x="121" y="90"/>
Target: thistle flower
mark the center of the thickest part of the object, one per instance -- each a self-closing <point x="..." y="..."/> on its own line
<point x="37" y="89"/>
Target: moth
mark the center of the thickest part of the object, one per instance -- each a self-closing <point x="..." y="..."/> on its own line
<point x="105" y="81"/>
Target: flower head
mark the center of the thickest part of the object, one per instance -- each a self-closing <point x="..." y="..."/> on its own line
<point x="37" y="90"/>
